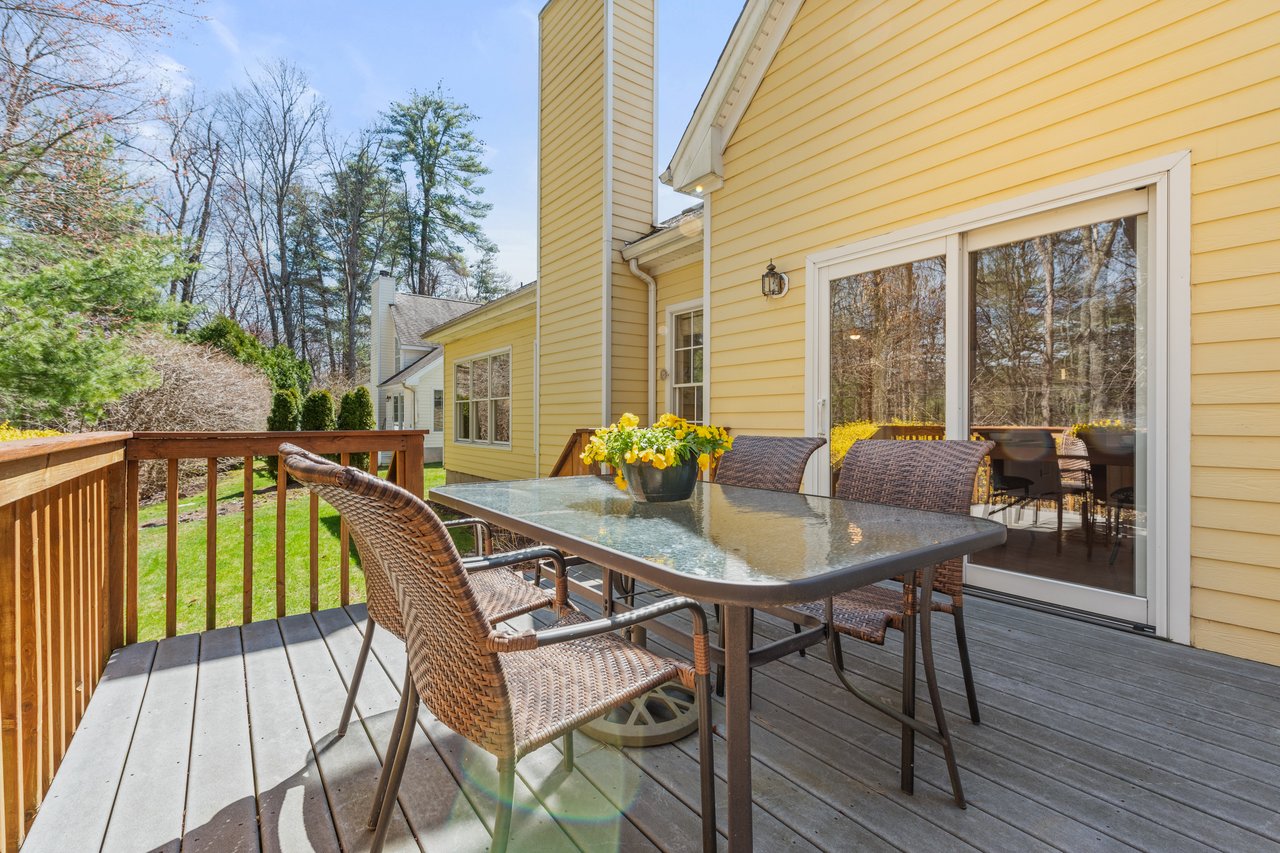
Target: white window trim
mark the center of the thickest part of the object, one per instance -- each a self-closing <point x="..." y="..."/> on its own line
<point x="1169" y="179"/>
<point x="511" y="388"/>
<point x="670" y="360"/>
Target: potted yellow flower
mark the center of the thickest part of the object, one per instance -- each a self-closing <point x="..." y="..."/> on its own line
<point x="660" y="462"/>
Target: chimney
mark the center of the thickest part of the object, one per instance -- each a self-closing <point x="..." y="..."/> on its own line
<point x="596" y="192"/>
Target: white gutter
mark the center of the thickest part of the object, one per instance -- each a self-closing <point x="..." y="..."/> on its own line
<point x="653" y="333"/>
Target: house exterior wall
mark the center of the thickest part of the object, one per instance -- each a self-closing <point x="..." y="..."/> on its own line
<point x="877" y="116"/>
<point x="674" y="288"/>
<point x="632" y="208"/>
<point x="571" y="196"/>
<point x="595" y="193"/>
<point x="506" y="325"/>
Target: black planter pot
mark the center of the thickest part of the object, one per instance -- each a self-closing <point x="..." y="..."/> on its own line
<point x="646" y="483"/>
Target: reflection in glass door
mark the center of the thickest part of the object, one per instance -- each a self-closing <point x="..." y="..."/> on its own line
<point x="887" y="354"/>
<point x="1057" y="380"/>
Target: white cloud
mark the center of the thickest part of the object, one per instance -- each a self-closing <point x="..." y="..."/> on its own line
<point x="225" y="37"/>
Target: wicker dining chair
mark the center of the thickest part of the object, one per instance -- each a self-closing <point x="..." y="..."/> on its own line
<point x="926" y="475"/>
<point x="767" y="462"/>
<point x="508" y="692"/>
<point x="502" y="592"/>
<point x="772" y="462"/>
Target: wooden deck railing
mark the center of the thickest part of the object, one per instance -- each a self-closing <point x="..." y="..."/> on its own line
<point x="69" y="590"/>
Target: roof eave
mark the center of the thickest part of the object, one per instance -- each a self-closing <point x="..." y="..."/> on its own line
<point x="755" y="40"/>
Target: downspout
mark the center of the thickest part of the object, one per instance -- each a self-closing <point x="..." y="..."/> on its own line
<point x="653" y="334"/>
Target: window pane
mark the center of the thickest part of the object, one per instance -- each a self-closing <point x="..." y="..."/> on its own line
<point x="684" y="330"/>
<point x="480" y="379"/>
<point x="462" y="423"/>
<point x="1058" y="344"/>
<point x="437" y="412"/>
<point x="502" y="420"/>
<point x="697" y="364"/>
<point x="462" y="381"/>
<point x="687" y="400"/>
<point x="482" y="421"/>
<point x="500" y="375"/>
<point x="888" y="347"/>
<point x="696" y="324"/>
<point x="683" y="368"/>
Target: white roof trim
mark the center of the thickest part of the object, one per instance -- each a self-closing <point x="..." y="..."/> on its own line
<point x="746" y="57"/>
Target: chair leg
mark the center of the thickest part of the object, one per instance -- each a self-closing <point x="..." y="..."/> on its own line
<point x="962" y="644"/>
<point x="506" y="793"/>
<point x="568" y="751"/>
<point x="795" y="629"/>
<point x="935" y="695"/>
<point x="706" y="762"/>
<point x="407" y="694"/>
<point x="720" y="667"/>
<point x="1061" y="501"/>
<point x="907" y="766"/>
<point x="356" y="676"/>
<point x="396" y="774"/>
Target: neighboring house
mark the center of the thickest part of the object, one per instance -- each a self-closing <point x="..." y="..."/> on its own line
<point x="908" y="167"/>
<point x="489" y="431"/>
<point x="407" y="381"/>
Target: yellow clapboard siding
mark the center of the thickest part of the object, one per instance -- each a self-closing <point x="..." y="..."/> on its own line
<point x="509" y="325"/>
<point x="1259" y="549"/>
<point x="1235" y="510"/>
<point x="570" y="199"/>
<point x="1255" y="292"/>
<point x="1232" y="577"/>
<point x="1235" y="640"/>
<point x="1258" y="419"/>
<point x="876" y="116"/>
<point x="1230" y="388"/>
<point x="1235" y="451"/>
<point x="1246" y="611"/>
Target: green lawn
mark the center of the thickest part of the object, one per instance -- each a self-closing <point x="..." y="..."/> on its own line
<point x="230" y="562"/>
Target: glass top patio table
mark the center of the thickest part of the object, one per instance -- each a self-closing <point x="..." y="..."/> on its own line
<point x="726" y="544"/>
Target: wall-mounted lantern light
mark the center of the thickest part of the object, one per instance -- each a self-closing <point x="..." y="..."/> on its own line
<point x="773" y="283"/>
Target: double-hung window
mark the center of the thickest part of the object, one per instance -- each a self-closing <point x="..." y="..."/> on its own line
<point x="686" y="365"/>
<point x="482" y="399"/>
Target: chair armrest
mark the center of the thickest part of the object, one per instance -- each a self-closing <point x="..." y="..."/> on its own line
<point x="511" y="558"/>
<point x="526" y="640"/>
<point x="482" y="532"/>
<point x="595" y="627"/>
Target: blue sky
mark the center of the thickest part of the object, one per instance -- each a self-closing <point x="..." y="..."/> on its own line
<point x="360" y="57"/>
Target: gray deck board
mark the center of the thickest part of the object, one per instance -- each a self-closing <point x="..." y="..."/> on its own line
<point x="293" y="811"/>
<point x="149" y="806"/>
<point x="77" y="807"/>
<point x="1092" y="739"/>
<point x="222" y="807"/>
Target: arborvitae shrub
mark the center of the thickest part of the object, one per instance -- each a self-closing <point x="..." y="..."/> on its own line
<point x="356" y="412"/>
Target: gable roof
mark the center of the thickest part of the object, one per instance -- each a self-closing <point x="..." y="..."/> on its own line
<point x="522" y="296"/>
<point x="413" y="315"/>
<point x="409" y="371"/>
<point x="697" y="165"/>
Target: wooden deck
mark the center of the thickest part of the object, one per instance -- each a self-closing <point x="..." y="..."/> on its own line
<point x="1092" y="739"/>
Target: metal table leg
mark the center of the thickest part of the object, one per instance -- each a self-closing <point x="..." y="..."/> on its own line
<point x="738" y="725"/>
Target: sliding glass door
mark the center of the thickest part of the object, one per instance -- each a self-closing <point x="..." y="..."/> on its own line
<point x="1032" y="334"/>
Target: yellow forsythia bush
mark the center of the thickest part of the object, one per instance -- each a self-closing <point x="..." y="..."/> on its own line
<point x="11" y="433"/>
<point x="844" y="435"/>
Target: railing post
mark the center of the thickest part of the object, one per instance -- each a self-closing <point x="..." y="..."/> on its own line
<point x="411" y="477"/>
<point x="117" y="520"/>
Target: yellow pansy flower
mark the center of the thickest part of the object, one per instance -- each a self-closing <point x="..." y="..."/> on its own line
<point x="621" y="482"/>
<point x="632" y="454"/>
<point x="704" y="461"/>
<point x="671" y="456"/>
<point x="659" y="462"/>
<point x="629" y="421"/>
